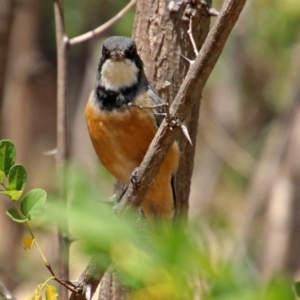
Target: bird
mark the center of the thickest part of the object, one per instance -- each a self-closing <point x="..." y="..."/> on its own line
<point x="121" y="130"/>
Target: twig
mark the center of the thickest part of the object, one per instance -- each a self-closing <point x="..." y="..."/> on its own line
<point x="148" y="106"/>
<point x="189" y="93"/>
<point x="166" y="114"/>
<point x="93" y="33"/>
<point x="61" y="282"/>
<point x="190" y="33"/>
<point x="187" y="59"/>
<point x="62" y="150"/>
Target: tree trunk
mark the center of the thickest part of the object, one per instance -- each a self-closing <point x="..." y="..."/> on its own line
<point x="160" y="33"/>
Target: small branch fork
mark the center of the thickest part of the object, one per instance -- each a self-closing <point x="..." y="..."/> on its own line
<point x="150" y="106"/>
<point x="190" y="34"/>
<point x="67" y="284"/>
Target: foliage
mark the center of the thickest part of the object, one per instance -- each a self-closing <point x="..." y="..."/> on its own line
<point x="161" y="263"/>
<point x="156" y="262"/>
<point x="31" y="206"/>
<point x="13" y="179"/>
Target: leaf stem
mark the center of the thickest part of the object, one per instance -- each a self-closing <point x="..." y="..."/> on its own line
<point x="31" y="233"/>
<point x="60" y="281"/>
<point x="41" y="252"/>
<point x="48" y="266"/>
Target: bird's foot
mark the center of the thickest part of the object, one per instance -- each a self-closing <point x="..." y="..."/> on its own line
<point x="134" y="178"/>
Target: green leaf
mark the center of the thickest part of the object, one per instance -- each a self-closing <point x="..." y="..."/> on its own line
<point x="297" y="288"/>
<point x="13" y="214"/>
<point x="14" y="195"/>
<point x="2" y="177"/>
<point x="17" y="178"/>
<point x="7" y="155"/>
<point x="32" y="206"/>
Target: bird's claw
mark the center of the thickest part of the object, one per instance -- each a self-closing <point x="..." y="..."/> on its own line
<point x="134" y="178"/>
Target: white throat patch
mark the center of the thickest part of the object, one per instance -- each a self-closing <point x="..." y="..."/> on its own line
<point x="118" y="74"/>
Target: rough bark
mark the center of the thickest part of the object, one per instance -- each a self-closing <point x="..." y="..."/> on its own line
<point x="161" y="35"/>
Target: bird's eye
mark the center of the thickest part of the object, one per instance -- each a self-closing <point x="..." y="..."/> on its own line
<point x="131" y="51"/>
<point x="104" y="51"/>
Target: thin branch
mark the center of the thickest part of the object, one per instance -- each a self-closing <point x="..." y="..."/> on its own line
<point x="62" y="148"/>
<point x="67" y="286"/>
<point x="190" y="33"/>
<point x="188" y="94"/>
<point x="149" y="106"/>
<point x="99" y="30"/>
<point x="166" y="113"/>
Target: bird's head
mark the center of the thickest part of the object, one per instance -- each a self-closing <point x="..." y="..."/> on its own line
<point x="120" y="65"/>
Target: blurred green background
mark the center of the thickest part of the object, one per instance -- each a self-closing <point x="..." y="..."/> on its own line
<point x="245" y="195"/>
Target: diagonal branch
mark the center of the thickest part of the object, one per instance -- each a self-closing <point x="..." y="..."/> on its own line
<point x="188" y="94"/>
<point x="93" y="33"/>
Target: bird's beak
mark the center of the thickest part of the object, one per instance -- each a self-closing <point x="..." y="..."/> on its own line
<point x="117" y="55"/>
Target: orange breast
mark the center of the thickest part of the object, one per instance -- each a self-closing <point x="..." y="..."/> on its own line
<point x="120" y="138"/>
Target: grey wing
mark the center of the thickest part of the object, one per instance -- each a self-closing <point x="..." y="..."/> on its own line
<point x="157" y="100"/>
